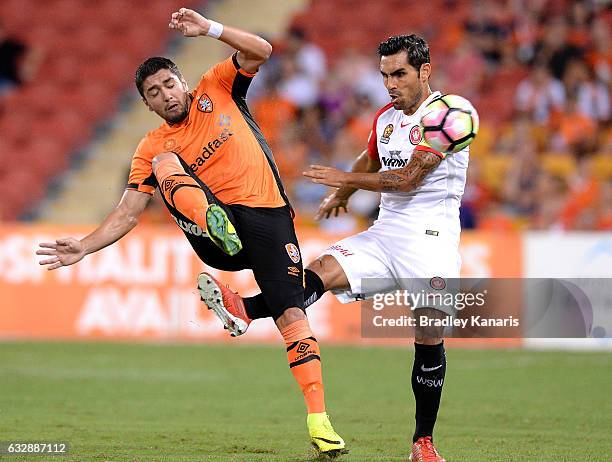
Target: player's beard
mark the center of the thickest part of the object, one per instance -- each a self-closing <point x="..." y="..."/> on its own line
<point x="178" y="117"/>
<point x="412" y="104"/>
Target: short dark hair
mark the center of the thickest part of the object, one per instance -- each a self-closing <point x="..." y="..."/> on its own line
<point x="150" y="67"/>
<point x="415" y="47"/>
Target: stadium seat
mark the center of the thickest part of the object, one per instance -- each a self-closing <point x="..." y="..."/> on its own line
<point x="494" y="169"/>
<point x="91" y="51"/>
<point x="602" y="166"/>
<point x="558" y="164"/>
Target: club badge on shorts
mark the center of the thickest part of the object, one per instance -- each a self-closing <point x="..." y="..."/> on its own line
<point x="293" y="252"/>
<point x="437" y="283"/>
<point x="205" y="104"/>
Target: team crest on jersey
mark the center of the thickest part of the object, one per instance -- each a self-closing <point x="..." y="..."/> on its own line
<point x="293" y="252"/>
<point x="205" y="104"/>
<point x="415" y="135"/>
<point x="386" y="134"/>
<point x="170" y="144"/>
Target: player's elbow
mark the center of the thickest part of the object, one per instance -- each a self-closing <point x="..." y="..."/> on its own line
<point x="266" y="50"/>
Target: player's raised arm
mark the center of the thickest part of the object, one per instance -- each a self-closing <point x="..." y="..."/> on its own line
<point x="253" y="50"/>
<point x="339" y="198"/>
<point x="67" y="251"/>
<point x="405" y="179"/>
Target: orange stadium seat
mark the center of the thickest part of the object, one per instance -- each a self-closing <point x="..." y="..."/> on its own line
<point x="91" y="53"/>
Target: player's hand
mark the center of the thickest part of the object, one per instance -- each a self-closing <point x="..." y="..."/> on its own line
<point x="331" y="203"/>
<point x="189" y="22"/>
<point x="329" y="176"/>
<point x="63" y="252"/>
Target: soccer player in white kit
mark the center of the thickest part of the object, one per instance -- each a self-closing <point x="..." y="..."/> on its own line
<point x="416" y="235"/>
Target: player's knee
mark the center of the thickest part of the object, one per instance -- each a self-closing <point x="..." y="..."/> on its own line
<point x="330" y="272"/>
<point x="289" y="316"/>
<point x="426" y="333"/>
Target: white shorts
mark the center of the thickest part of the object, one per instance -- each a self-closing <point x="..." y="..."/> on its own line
<point x="388" y="257"/>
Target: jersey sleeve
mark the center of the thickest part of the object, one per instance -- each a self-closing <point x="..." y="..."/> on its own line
<point x="424" y="146"/>
<point x="141" y="172"/>
<point x="229" y="75"/>
<point x="372" y="146"/>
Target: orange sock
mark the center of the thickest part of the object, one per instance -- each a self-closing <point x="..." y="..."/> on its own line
<point x="181" y="191"/>
<point x="304" y="360"/>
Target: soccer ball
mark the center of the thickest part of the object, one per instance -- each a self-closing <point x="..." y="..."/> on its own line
<point x="450" y="123"/>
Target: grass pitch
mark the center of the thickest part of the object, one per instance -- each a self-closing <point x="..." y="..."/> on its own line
<point x="116" y="402"/>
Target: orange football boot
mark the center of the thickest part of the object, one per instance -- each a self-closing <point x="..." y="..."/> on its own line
<point x="423" y="450"/>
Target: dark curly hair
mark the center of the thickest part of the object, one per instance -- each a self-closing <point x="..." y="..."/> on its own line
<point x="416" y="49"/>
<point x="150" y="67"/>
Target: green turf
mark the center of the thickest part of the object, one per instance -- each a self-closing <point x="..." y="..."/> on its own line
<point x="220" y="403"/>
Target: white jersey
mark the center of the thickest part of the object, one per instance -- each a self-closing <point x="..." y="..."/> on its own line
<point x="415" y="240"/>
<point x="394" y="138"/>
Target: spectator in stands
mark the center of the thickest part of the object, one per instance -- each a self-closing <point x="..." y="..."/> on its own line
<point x="540" y="95"/>
<point x="487" y="29"/>
<point x="18" y="61"/>
<point x="569" y="51"/>
<point x="519" y="189"/>
<point x="555" y="49"/>
<point x="525" y="32"/>
<point x="576" y="130"/>
<point x="457" y="81"/>
<point x="309" y="58"/>
<point x="552" y="193"/>
<point x="477" y="196"/>
<point x="603" y="208"/>
<point x="592" y="97"/>
<point x="300" y="88"/>
<point x="600" y="51"/>
<point x="579" y="210"/>
<point x="316" y="133"/>
<point x="273" y="113"/>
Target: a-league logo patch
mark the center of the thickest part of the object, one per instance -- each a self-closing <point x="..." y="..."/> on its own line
<point x="415" y="135"/>
<point x="205" y="104"/>
<point x="293" y="252"/>
<point x="386" y="134"/>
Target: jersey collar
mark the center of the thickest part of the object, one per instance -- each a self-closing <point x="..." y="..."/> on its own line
<point x="429" y="99"/>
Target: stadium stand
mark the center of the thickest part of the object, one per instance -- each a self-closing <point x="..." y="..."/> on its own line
<point x="87" y="195"/>
<point x="538" y="72"/>
<point x="90" y="53"/>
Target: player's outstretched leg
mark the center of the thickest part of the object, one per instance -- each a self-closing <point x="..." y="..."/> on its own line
<point x="227" y="305"/>
<point x="186" y="195"/>
<point x="428" y="372"/>
<point x="237" y="313"/>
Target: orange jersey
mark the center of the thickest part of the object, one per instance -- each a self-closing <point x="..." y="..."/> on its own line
<point x="219" y="141"/>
